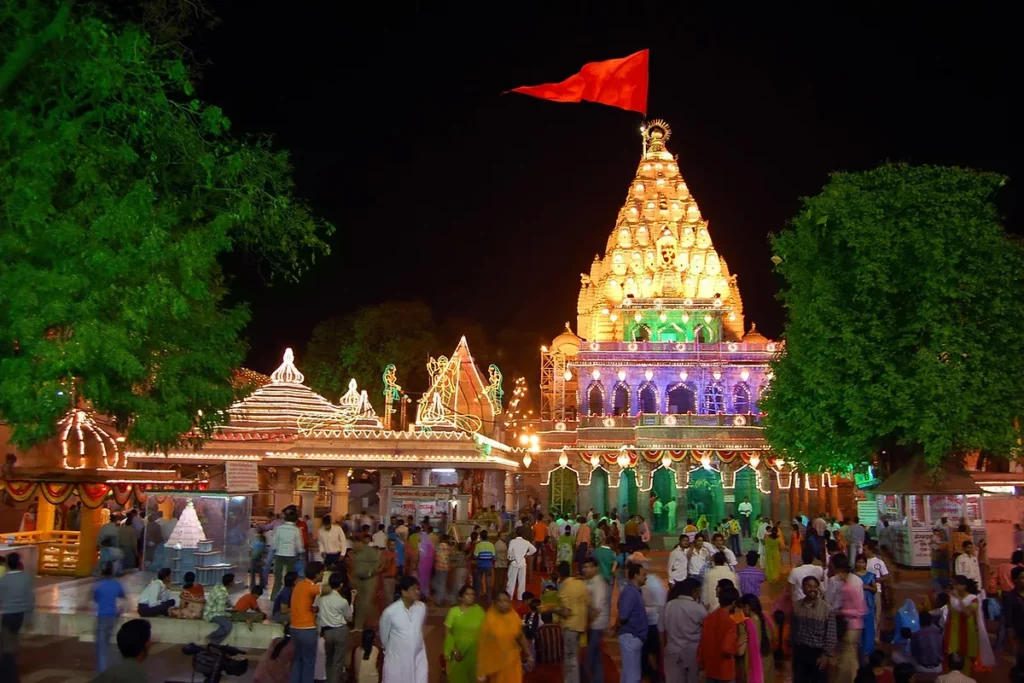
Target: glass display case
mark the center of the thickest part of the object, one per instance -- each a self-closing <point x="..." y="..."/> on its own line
<point x="206" y="533"/>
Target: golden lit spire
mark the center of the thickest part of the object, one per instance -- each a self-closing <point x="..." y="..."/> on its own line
<point x="659" y="254"/>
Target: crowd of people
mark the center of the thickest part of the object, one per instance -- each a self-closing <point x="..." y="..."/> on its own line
<point x="543" y="595"/>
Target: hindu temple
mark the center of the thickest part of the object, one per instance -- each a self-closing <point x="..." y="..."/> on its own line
<point x="656" y="392"/>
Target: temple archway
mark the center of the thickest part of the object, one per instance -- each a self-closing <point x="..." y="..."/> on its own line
<point x="620" y="399"/>
<point x="627" y="492"/>
<point x="563" y="485"/>
<point x="746" y="487"/>
<point x="599" y="492"/>
<point x="595" y="399"/>
<point x="648" y="396"/>
<point x="741" y="403"/>
<point x="682" y="399"/>
<point x="641" y="333"/>
<point x="664" y="485"/>
<point x="704" y="496"/>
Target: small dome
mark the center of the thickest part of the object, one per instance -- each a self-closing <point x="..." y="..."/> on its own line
<point x="754" y="337"/>
<point x="567" y="342"/>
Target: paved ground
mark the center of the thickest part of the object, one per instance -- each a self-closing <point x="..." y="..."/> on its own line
<point x="47" y="659"/>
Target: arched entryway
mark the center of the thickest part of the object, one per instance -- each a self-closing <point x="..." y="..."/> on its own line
<point x="627" y="493"/>
<point x="599" y="492"/>
<point x="664" y="485"/>
<point x="681" y="400"/>
<point x="595" y="399"/>
<point x="746" y="488"/>
<point x="620" y="399"/>
<point x="741" y="404"/>
<point x="648" y="399"/>
<point x="563" y="485"/>
<point x="704" y="496"/>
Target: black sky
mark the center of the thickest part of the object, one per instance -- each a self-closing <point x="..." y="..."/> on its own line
<point x="488" y="207"/>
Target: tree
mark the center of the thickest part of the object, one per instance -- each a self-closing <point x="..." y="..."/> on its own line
<point x="359" y="346"/>
<point x="121" y="192"/>
<point x="904" y="298"/>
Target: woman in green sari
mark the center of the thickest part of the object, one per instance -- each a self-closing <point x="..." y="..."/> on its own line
<point x="461" y="637"/>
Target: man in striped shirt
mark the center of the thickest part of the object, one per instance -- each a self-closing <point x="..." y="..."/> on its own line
<point x="813" y="630"/>
<point x="751" y="577"/>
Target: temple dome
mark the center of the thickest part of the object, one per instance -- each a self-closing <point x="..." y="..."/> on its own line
<point x="567" y="342"/>
<point x="755" y="337"/>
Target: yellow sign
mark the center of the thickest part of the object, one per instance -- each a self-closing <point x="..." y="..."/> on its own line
<point x="307" y="482"/>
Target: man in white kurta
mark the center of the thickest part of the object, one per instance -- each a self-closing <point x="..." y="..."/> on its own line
<point x="518" y="550"/>
<point x="401" y="636"/>
<point x="762" y="531"/>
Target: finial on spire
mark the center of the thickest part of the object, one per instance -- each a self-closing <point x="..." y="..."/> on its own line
<point x="287" y="373"/>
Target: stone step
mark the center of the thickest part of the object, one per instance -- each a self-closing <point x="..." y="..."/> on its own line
<point x="165" y="630"/>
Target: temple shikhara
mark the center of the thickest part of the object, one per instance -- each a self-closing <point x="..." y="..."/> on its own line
<point x="656" y="392"/>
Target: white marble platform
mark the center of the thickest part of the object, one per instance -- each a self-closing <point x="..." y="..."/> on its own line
<point x="66" y="609"/>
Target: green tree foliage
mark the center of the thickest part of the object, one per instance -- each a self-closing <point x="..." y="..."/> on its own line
<point x="904" y="298"/>
<point x="120" y="192"/>
<point x="359" y="346"/>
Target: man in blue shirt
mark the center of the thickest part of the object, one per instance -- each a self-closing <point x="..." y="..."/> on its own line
<point x="105" y="594"/>
<point x="281" y="613"/>
<point x="632" y="623"/>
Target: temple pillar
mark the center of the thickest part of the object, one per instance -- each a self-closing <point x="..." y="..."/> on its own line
<point x="462" y="507"/>
<point x="46" y="514"/>
<point x="166" y="507"/>
<point x="283" y="491"/>
<point x="805" y="499"/>
<point x="88" y="531"/>
<point x="384" y="494"/>
<point x="510" y="492"/>
<point x="307" y="501"/>
<point x="833" y="494"/>
<point x="339" y="499"/>
<point x="822" y="496"/>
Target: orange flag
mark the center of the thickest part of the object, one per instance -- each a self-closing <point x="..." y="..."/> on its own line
<point x="618" y="83"/>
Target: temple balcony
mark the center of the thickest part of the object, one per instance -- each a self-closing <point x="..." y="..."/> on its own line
<point x="659" y="420"/>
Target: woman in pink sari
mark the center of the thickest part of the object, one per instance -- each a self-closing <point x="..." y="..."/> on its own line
<point x="426" y="562"/>
<point x="758" y="664"/>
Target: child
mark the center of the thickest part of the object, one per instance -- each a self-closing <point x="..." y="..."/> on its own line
<point x="256" y="559"/>
<point x="247" y="608"/>
<point x="105" y="594"/>
<point x="531" y="624"/>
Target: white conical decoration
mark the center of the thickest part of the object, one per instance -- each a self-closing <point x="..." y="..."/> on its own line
<point x="188" y="531"/>
<point x="287" y="373"/>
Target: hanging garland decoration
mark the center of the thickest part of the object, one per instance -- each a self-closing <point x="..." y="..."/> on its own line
<point x="610" y="457"/>
<point x="92" y="495"/>
<point x="55" y="494"/>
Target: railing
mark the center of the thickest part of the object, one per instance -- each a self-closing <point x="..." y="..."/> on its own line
<point x="702" y="348"/>
<point x="58" y="550"/>
<point x="659" y="420"/>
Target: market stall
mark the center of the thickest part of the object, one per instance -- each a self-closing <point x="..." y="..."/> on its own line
<point x="915" y="500"/>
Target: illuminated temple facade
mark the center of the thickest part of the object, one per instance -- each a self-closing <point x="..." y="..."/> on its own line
<point x="658" y="392"/>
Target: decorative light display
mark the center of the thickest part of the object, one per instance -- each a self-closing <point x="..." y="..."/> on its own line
<point x="683" y="375"/>
<point x="666" y="462"/>
<point x="515" y="414"/>
<point x="705" y="461"/>
<point x="595" y="460"/>
<point x="440" y="405"/>
<point x="77" y="424"/>
<point x="622" y="375"/>
<point x="392" y="393"/>
<point x="755" y="460"/>
<point x="717" y="375"/>
<point x="527" y="460"/>
<point x="188" y="532"/>
<point x="623" y="460"/>
<point x="745" y="374"/>
<point x="563" y="460"/>
<point x="567" y="376"/>
<point x="596" y="374"/>
<point x="649" y="375"/>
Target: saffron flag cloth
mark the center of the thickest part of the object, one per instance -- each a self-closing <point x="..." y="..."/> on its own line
<point x="618" y="83"/>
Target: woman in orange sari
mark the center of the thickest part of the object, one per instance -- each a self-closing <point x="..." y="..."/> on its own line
<point x="502" y="644"/>
<point x="794" y="545"/>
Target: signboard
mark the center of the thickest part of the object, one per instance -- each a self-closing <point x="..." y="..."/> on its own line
<point x="1001" y="513"/>
<point x="242" y="477"/>
<point x="920" y="547"/>
<point x="307" y="482"/>
<point x="419" y="502"/>
<point x="864" y="481"/>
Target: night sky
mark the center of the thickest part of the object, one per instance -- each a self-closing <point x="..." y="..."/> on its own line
<point x="488" y="207"/>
